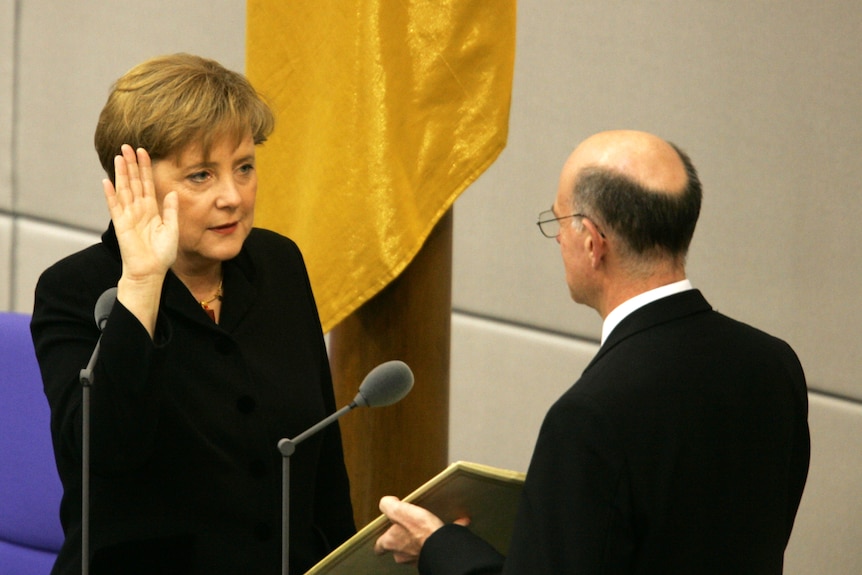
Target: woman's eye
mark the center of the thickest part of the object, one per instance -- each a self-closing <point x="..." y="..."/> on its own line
<point x="246" y="168"/>
<point x="199" y="177"/>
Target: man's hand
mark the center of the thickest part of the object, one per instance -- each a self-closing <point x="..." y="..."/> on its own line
<point x="411" y="526"/>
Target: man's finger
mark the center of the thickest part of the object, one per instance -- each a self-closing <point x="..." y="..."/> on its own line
<point x="388" y="503"/>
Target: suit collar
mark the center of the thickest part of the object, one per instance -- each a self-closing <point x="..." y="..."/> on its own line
<point x="661" y="311"/>
<point x="626" y="308"/>
<point x="109" y="240"/>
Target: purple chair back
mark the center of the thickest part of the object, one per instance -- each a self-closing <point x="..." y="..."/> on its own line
<point x="30" y="489"/>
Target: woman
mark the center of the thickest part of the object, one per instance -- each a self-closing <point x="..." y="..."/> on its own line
<point x="212" y="352"/>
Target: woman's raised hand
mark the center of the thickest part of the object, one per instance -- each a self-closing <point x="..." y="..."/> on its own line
<point x="148" y="233"/>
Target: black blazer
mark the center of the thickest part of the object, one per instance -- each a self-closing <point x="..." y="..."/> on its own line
<point x="186" y="474"/>
<point x="682" y="449"/>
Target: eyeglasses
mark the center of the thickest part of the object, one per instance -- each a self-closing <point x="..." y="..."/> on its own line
<point x="549" y="223"/>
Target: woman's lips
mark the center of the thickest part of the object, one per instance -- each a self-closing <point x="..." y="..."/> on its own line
<point x="225" y="229"/>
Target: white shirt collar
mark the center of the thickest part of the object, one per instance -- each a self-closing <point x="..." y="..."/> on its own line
<point x="620" y="312"/>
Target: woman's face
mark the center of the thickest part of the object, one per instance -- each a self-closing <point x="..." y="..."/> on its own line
<point x="216" y="200"/>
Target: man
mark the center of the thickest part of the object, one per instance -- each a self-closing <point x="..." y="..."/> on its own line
<point x="684" y="446"/>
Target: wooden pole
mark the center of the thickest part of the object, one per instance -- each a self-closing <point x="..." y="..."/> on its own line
<point x="393" y="450"/>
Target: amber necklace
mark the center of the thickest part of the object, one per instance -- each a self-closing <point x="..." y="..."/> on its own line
<point x="205" y="303"/>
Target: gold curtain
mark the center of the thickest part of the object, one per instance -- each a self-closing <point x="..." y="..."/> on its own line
<point x="386" y="110"/>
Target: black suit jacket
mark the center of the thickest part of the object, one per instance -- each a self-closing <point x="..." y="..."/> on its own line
<point x="682" y="449"/>
<point x="186" y="474"/>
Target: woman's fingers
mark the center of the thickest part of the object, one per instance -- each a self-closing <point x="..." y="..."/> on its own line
<point x="111" y="197"/>
<point x="130" y="158"/>
<point x="145" y="173"/>
<point x="170" y="215"/>
<point x="122" y="192"/>
<point x="133" y="175"/>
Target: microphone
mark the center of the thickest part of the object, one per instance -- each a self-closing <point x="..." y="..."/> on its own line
<point x="101" y="312"/>
<point x="104" y="305"/>
<point x="384" y="385"/>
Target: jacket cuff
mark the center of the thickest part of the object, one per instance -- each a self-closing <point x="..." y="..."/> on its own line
<point x="455" y="550"/>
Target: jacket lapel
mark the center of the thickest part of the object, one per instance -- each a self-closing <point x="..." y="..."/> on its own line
<point x="240" y="291"/>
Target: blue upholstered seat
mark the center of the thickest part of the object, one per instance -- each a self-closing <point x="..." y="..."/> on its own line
<point x="30" y="490"/>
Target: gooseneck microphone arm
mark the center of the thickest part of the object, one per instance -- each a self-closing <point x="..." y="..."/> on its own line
<point x="288" y="446"/>
<point x="384" y="385"/>
<point x="102" y="310"/>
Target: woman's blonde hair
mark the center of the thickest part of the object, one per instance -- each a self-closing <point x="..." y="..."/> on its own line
<point x="166" y="103"/>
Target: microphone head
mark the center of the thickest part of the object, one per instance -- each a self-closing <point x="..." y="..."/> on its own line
<point x="104" y="305"/>
<point x="385" y="384"/>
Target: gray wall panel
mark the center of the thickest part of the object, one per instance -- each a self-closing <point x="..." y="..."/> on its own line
<point x="6" y="268"/>
<point x="504" y="378"/>
<point x="827" y="531"/>
<point x="38" y="246"/>
<point x="764" y="99"/>
<point x="70" y="54"/>
<point x="7" y="80"/>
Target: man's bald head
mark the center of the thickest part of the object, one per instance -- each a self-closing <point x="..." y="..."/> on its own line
<point x="641" y="188"/>
<point x="639" y="156"/>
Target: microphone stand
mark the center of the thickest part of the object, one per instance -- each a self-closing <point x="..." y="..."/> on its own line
<point x="86" y="378"/>
<point x="384" y="385"/>
<point x="287" y="447"/>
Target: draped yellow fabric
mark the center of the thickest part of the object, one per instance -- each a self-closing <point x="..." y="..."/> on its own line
<point x="386" y="110"/>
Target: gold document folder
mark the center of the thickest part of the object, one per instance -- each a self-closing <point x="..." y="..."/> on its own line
<point x="487" y="495"/>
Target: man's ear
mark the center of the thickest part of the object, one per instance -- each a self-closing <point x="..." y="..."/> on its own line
<point x="595" y="243"/>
